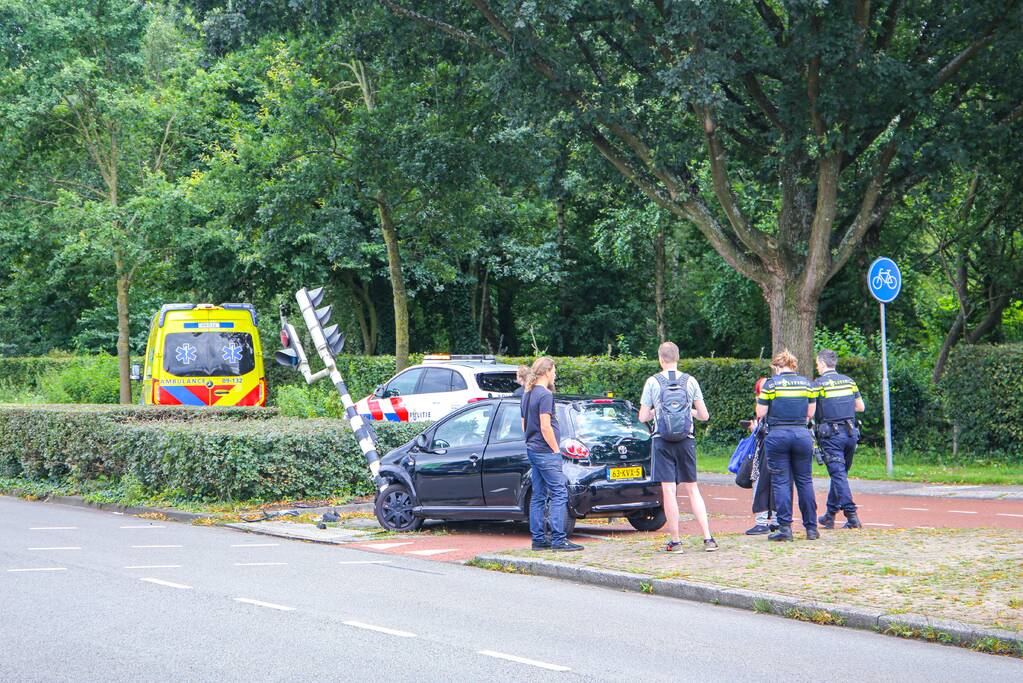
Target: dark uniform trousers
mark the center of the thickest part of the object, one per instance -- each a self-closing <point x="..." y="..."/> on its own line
<point x="790" y="458"/>
<point x="838" y="446"/>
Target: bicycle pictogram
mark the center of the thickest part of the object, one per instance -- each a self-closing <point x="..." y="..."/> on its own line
<point x="884" y="278"/>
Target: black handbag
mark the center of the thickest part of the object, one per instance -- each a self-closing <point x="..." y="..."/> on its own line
<point x="744" y="477"/>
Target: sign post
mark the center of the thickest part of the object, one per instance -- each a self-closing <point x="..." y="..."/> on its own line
<point x="885" y="282"/>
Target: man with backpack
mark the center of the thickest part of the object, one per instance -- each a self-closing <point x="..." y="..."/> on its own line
<point x="672" y="399"/>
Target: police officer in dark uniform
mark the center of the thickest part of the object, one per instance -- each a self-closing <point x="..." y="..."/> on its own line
<point x="787" y="402"/>
<point x="838" y="401"/>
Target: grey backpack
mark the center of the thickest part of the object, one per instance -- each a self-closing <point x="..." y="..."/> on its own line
<point x="674" y="406"/>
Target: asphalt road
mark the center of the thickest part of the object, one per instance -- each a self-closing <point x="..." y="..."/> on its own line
<point x="88" y="595"/>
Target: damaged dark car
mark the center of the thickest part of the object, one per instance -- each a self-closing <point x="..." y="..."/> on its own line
<point x="472" y="465"/>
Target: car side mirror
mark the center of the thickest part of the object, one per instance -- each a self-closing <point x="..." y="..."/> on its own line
<point x="421" y="443"/>
<point x="136" y="372"/>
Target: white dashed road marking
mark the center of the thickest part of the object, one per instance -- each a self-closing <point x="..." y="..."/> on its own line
<point x="254" y="545"/>
<point x="365" y="562"/>
<point x="69" y="547"/>
<point x="1007" y="514"/>
<point x="260" y="603"/>
<point x="260" y="564"/>
<point x="153" y="566"/>
<point x="380" y="629"/>
<point x="963" y="512"/>
<point x="430" y="553"/>
<point x="387" y="546"/>
<point x="143" y="526"/>
<point x="40" y="569"/>
<point x="876" y="524"/>
<point x="157" y="546"/>
<point x="51" y="528"/>
<point x="523" y="660"/>
<point x="169" y="584"/>
<point x="720" y="498"/>
<point x="916" y="509"/>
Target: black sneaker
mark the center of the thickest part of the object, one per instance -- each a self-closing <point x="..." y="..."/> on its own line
<point x="566" y="547"/>
<point x="673" y="547"/>
<point x="812" y="534"/>
<point x="758" y="529"/>
<point x="542" y="545"/>
<point x="710" y="545"/>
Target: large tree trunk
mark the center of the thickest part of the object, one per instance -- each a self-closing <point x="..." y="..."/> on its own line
<point x="123" y="336"/>
<point x="659" y="279"/>
<point x="397" y="286"/>
<point x="793" y="318"/>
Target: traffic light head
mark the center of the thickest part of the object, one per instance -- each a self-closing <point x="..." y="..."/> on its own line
<point x="292" y="355"/>
<point x="328" y="339"/>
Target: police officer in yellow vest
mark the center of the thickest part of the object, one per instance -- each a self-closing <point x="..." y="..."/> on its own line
<point x="838" y="401"/>
<point x="786" y="400"/>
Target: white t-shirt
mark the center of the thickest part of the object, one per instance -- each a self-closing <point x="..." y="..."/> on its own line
<point x="652" y="391"/>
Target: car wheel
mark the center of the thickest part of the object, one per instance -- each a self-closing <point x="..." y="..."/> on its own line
<point x="393" y="508"/>
<point x="648" y="520"/>
<point x="569" y="524"/>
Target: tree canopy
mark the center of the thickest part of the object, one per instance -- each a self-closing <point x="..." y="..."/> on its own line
<point x="569" y="177"/>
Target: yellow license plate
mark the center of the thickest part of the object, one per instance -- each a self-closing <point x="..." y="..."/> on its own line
<point x="617" y="473"/>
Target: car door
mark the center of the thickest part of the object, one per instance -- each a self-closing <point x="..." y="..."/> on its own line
<point x="435" y="392"/>
<point x="505" y="464"/>
<point x="448" y="472"/>
<point x="400" y="401"/>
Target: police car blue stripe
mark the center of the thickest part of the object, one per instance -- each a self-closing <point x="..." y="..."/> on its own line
<point x="391" y="417"/>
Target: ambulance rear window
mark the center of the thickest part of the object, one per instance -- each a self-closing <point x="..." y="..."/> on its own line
<point x="208" y="354"/>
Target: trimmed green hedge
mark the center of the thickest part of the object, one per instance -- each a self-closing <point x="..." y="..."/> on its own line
<point x="727" y="384"/>
<point x="982" y="391"/>
<point x="199" y="454"/>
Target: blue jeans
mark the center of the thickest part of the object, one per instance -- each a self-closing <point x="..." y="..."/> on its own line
<point x="790" y="457"/>
<point x="839" y="446"/>
<point x="549" y="486"/>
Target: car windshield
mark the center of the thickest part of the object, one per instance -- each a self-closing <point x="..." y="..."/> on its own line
<point x="603" y="421"/>
<point x="208" y="354"/>
<point x="500" y="382"/>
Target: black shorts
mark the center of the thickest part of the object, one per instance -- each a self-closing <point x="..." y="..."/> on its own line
<point x="673" y="461"/>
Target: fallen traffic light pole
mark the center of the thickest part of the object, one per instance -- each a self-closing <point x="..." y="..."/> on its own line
<point x="329" y="342"/>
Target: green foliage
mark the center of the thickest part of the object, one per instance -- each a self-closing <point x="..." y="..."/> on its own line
<point x="982" y="391"/>
<point x="217" y="454"/>
<point x="850" y="341"/>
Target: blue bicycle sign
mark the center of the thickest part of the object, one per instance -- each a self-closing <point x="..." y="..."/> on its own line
<point x="884" y="280"/>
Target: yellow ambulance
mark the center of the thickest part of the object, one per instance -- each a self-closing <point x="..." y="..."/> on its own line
<point x="204" y="355"/>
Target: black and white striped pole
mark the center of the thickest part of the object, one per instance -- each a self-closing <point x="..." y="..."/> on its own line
<point x="328" y="342"/>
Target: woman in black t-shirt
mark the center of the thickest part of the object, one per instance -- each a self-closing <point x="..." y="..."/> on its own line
<point x="543" y="435"/>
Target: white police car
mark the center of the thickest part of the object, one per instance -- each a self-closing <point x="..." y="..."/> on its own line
<point x="442" y="383"/>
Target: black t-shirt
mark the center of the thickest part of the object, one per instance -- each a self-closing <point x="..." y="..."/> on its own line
<point x="536" y="401"/>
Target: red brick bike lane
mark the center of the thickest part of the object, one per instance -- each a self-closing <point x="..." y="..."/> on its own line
<point x="729" y="509"/>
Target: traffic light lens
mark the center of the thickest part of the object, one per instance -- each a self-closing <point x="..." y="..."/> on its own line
<point x="285" y="339"/>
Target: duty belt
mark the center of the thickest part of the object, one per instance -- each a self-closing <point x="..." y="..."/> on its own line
<point x="847" y="422"/>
